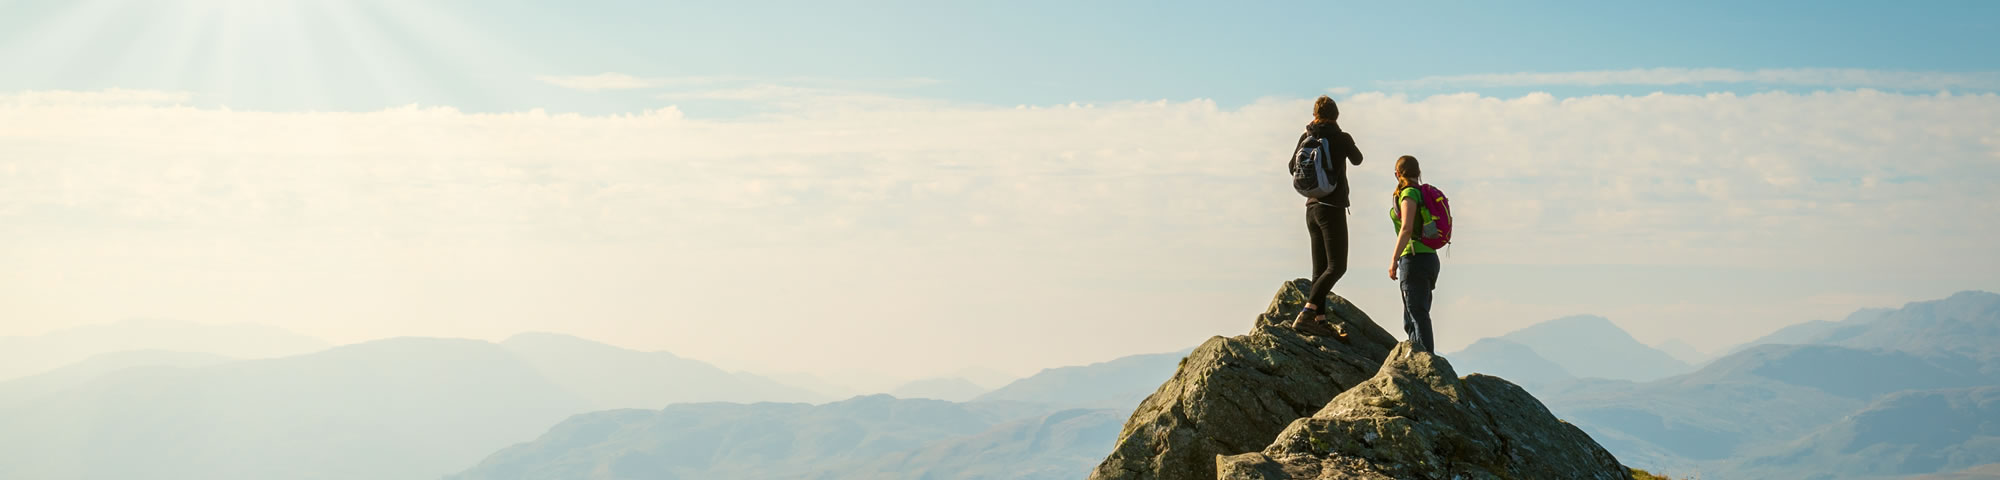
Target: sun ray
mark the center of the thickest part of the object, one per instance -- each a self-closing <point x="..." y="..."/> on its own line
<point x="65" y="35"/>
<point x="454" y="50"/>
<point x="361" y="39"/>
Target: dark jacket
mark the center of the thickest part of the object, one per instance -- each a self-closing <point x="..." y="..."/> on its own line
<point x="1343" y="146"/>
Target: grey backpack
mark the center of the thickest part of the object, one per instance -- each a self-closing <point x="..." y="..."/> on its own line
<point x="1312" y="168"/>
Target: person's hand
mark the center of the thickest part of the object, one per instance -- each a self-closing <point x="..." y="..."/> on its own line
<point x="1392" y="270"/>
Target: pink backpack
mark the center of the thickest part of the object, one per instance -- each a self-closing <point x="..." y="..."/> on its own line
<point x="1438" y="233"/>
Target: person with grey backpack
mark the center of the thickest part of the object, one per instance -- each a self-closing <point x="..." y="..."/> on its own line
<point x="1319" y="172"/>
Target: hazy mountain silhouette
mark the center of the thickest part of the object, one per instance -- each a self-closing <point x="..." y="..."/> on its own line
<point x="1726" y="417"/>
<point x="952" y="389"/>
<point x="406" y="408"/>
<point x="613" y="377"/>
<point x="821" y="387"/>
<point x="396" y="408"/>
<point x="1794" y="334"/>
<point x="1013" y="432"/>
<point x="855" y="438"/>
<point x="1965" y="324"/>
<point x="1057" y="446"/>
<point x="1513" y="361"/>
<point x="1682" y="351"/>
<point x="1768" y="394"/>
<point x="986" y="378"/>
<point x="1906" y="433"/>
<point x="1591" y="346"/>
<point x="1810" y="331"/>
<point x="1548" y="354"/>
<point x="21" y="356"/>
<point x="1118" y="383"/>
<point x="26" y="389"/>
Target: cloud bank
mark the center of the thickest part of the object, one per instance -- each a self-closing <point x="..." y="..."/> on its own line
<point x="858" y="235"/>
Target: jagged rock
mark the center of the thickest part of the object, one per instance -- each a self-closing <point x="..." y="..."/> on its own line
<point x="1416" y="419"/>
<point x="1233" y="395"/>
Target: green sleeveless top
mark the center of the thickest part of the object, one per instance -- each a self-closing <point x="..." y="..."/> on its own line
<point x="1424" y="218"/>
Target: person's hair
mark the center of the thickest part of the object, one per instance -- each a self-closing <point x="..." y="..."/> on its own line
<point x="1324" y="111"/>
<point x="1407" y="172"/>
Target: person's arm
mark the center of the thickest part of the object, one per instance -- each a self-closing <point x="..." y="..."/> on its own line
<point x="1353" y="151"/>
<point x="1408" y="210"/>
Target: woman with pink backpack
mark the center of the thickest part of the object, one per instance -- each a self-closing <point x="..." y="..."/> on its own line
<point x="1422" y="216"/>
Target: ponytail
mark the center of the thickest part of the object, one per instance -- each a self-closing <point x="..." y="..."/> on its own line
<point x="1407" y="173"/>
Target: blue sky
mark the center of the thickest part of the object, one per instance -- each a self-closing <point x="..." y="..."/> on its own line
<point x="994" y="185"/>
<point x="485" y="55"/>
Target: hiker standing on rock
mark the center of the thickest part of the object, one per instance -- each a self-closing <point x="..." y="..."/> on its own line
<point x="1319" y="172"/>
<point x="1422" y="216"/>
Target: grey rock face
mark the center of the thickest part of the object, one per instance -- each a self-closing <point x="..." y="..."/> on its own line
<point x="1233" y="395"/>
<point x="1416" y="419"/>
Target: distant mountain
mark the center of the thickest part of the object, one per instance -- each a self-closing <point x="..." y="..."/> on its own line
<point x="1726" y="418"/>
<point x="612" y="377"/>
<point x="21" y="356"/>
<point x="1762" y="396"/>
<point x="1810" y="331"/>
<point x="852" y="438"/>
<point x="1849" y="372"/>
<point x="1513" y="361"/>
<point x="406" y="408"/>
<point x="1682" y="351"/>
<point x="1591" y="346"/>
<point x="1743" y="401"/>
<point x="26" y="389"/>
<point x="985" y="378"/>
<point x="1794" y="334"/>
<point x="1966" y="324"/>
<point x="819" y="386"/>
<point x="952" y="389"/>
<point x="1119" y="383"/>
<point x="1914" y="432"/>
<point x="1057" y="446"/>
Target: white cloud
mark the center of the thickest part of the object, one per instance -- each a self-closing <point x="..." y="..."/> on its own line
<point x="1806" y="77"/>
<point x="919" y="229"/>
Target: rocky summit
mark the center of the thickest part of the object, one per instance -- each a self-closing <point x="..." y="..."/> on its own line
<point x="1341" y="402"/>
<point x="1416" y="418"/>
<point x="1233" y="395"/>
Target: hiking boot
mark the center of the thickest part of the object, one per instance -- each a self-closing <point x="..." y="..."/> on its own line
<point x="1313" y="323"/>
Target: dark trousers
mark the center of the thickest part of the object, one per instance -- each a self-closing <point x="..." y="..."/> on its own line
<point x="1419" y="275"/>
<point x="1327" y="225"/>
